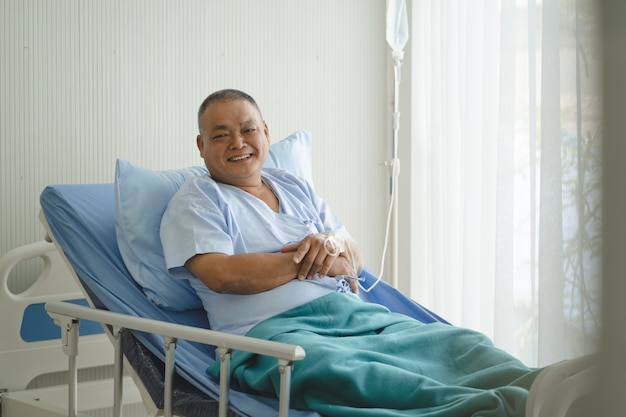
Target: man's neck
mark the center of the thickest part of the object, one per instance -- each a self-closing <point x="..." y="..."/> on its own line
<point x="264" y="193"/>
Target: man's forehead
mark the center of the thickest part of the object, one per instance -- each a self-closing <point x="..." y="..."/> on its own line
<point x="239" y="109"/>
<point x="244" y="123"/>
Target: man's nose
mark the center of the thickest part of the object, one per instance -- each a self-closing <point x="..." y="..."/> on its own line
<point x="237" y="140"/>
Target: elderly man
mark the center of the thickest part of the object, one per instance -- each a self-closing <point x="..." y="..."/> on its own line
<point x="269" y="259"/>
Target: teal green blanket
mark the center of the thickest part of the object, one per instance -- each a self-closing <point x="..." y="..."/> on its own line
<point x="362" y="360"/>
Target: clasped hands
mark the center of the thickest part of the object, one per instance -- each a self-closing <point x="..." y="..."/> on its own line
<point x="323" y="254"/>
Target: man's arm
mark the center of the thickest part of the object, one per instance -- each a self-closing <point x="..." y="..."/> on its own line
<point x="252" y="273"/>
<point x="248" y="273"/>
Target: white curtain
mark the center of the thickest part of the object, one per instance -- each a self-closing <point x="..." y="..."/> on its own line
<point x="506" y="153"/>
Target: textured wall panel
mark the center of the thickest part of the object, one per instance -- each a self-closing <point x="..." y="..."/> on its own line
<point x="85" y="82"/>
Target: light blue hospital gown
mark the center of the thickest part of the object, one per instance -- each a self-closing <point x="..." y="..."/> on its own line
<point x="205" y="216"/>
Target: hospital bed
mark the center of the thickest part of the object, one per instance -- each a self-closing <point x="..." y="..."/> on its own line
<point x="165" y="349"/>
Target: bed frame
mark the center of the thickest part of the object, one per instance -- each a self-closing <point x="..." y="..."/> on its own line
<point x="30" y="346"/>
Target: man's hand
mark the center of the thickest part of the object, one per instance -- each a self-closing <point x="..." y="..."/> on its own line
<point x="325" y="254"/>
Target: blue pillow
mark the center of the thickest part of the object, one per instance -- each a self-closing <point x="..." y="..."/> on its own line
<point x="141" y="197"/>
<point x="293" y="154"/>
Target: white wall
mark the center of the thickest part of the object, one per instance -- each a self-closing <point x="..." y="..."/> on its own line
<point x="85" y="82"/>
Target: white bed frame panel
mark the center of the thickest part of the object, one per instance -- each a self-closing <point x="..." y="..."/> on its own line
<point x="21" y="362"/>
<point x="53" y="401"/>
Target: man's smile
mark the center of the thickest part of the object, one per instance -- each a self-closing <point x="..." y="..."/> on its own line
<point x="240" y="157"/>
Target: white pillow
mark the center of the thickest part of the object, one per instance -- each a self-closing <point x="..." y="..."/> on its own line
<point x="141" y="197"/>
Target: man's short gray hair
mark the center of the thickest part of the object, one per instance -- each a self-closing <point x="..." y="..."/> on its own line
<point x="228" y="94"/>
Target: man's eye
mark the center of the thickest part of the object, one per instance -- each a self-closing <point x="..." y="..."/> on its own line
<point x="250" y="130"/>
<point x="220" y="136"/>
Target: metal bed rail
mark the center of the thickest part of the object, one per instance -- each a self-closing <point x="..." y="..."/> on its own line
<point x="68" y="317"/>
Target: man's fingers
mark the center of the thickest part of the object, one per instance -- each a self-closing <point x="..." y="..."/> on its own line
<point x="312" y="257"/>
<point x="328" y="263"/>
<point x="303" y="249"/>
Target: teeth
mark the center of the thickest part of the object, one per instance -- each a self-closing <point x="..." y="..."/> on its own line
<point x="239" y="158"/>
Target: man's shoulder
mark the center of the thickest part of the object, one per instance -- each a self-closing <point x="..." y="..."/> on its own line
<point x="197" y="182"/>
<point x="281" y="175"/>
<point x="195" y="186"/>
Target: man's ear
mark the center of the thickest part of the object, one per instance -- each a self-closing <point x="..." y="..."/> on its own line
<point x="267" y="132"/>
<point x="200" y="144"/>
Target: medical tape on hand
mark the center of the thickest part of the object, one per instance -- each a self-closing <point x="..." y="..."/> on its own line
<point x="333" y="245"/>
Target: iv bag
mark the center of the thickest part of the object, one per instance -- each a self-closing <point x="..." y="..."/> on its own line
<point x="397" y="26"/>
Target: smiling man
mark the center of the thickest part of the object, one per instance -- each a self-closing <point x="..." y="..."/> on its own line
<point x="251" y="240"/>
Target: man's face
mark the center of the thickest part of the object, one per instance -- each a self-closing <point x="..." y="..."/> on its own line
<point x="234" y="142"/>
